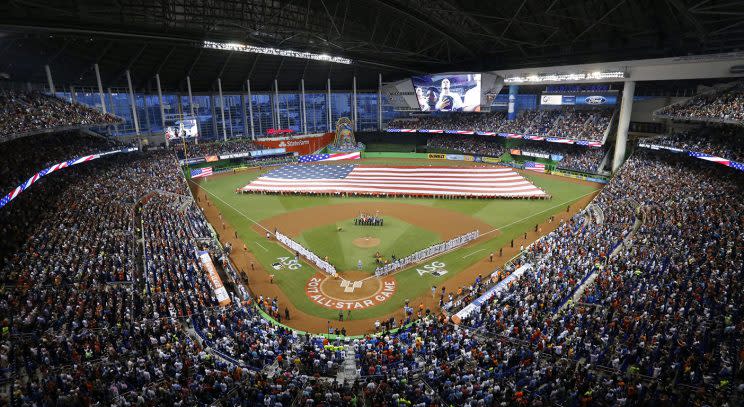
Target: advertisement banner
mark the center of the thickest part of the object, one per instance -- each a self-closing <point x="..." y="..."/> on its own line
<point x="515" y="151"/>
<point x="235" y="155"/>
<point x="551" y="100"/>
<point x="535" y="154"/>
<point x="582" y="100"/>
<point x="491" y="160"/>
<point x="211" y="158"/>
<point x="271" y="151"/>
<point x="437" y="156"/>
<point x="300" y="145"/>
<point x="596" y="100"/>
<point x="455" y="157"/>
<point x="556" y="157"/>
<point x="205" y="261"/>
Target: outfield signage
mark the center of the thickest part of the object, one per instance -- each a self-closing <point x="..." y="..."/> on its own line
<point x="300" y="145"/>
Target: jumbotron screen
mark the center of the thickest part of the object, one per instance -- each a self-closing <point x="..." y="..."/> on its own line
<point x="448" y="92"/>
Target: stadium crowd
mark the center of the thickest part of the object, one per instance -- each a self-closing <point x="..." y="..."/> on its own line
<point x="568" y="123"/>
<point x="576" y="158"/>
<point x="465" y="144"/>
<point x="105" y="303"/>
<point x="29" y="112"/>
<point x="727" y="105"/>
<point x="726" y="142"/>
<point x="232" y="146"/>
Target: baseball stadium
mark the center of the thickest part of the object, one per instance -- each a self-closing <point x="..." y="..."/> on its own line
<point x="372" y="203"/>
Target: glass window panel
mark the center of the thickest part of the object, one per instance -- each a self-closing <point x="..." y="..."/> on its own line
<point x="316" y="111"/>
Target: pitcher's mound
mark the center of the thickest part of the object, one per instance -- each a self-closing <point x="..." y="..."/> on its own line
<point x="366" y="242"/>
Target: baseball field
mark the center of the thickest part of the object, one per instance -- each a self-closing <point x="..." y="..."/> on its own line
<point x="325" y="226"/>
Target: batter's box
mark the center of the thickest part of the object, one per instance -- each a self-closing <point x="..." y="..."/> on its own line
<point x="350" y="286"/>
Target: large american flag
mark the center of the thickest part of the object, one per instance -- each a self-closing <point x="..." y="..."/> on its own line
<point x="417" y="181"/>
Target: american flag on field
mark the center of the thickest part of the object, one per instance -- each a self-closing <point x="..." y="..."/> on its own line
<point x="330" y="157"/>
<point x="418" y="181"/>
<point x="201" y="172"/>
<point x="533" y="166"/>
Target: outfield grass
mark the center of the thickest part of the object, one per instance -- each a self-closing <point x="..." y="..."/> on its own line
<point x="396" y="237"/>
<point x="511" y="217"/>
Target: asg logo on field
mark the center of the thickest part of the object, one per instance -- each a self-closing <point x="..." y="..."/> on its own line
<point x="595" y="100"/>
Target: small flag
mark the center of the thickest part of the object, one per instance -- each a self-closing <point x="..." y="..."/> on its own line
<point x="533" y="166"/>
<point x="201" y="172"/>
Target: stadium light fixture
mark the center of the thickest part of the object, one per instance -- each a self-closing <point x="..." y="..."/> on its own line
<point x="566" y="77"/>
<point x="234" y="46"/>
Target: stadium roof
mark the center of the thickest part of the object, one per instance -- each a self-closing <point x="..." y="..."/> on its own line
<point x="394" y="37"/>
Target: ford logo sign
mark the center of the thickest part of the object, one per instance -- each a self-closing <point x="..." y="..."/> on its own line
<point x="595" y="100"/>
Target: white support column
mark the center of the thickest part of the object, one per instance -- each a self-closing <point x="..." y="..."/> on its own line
<point x="626" y="107"/>
<point x="214" y="115"/>
<point x="304" y="108"/>
<point x="328" y="104"/>
<point x="133" y="103"/>
<point x="250" y="108"/>
<point x="100" y="88"/>
<point x="222" y="108"/>
<point x="73" y="95"/>
<point x="278" y="122"/>
<point x="354" y="105"/>
<point x="191" y="107"/>
<point x="379" y="102"/>
<point x="244" y="116"/>
<point x="162" y="110"/>
<point x="113" y="109"/>
<point x="50" y="82"/>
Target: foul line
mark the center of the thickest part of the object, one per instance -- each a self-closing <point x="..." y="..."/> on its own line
<point x="468" y="255"/>
<point x="537" y="213"/>
<point x="262" y="246"/>
<point x="232" y="207"/>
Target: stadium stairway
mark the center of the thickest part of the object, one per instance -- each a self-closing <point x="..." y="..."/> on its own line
<point x="350" y="371"/>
